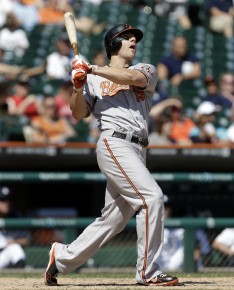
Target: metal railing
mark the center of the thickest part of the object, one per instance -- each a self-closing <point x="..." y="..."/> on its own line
<point x="70" y="226"/>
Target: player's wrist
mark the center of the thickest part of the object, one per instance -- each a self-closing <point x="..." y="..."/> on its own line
<point x="78" y="90"/>
<point x="95" y="68"/>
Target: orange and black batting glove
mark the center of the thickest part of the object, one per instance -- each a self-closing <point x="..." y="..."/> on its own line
<point x="79" y="63"/>
<point x="79" y="77"/>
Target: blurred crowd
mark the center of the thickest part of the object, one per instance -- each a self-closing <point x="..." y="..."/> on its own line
<point x="46" y="118"/>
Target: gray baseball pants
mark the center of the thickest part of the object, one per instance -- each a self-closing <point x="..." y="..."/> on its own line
<point x="130" y="189"/>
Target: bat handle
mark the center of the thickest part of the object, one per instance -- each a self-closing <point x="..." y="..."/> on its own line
<point x="75" y="48"/>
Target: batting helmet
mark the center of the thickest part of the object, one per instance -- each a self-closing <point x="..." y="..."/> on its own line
<point x="113" y="40"/>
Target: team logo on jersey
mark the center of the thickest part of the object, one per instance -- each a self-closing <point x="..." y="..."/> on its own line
<point x="111" y="89"/>
<point x="148" y="69"/>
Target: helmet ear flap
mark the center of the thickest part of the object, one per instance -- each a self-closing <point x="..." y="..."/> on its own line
<point x="115" y="44"/>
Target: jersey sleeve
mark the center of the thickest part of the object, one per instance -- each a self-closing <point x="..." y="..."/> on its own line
<point x="151" y="74"/>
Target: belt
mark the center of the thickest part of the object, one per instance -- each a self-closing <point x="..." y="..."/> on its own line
<point x="135" y="139"/>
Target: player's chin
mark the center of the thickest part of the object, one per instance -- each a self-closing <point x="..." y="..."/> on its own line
<point x="131" y="55"/>
<point x="133" y="51"/>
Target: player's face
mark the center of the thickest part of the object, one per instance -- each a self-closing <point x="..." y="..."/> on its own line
<point x="128" y="48"/>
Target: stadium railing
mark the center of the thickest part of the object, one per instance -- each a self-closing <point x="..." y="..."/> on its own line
<point x="72" y="226"/>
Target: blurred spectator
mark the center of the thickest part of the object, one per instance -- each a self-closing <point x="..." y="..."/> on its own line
<point x="177" y="127"/>
<point x="48" y="127"/>
<point x="12" y="72"/>
<point x="4" y="87"/>
<point x="161" y="92"/>
<point x="214" y="94"/>
<point x="221" y="16"/>
<point x="224" y="243"/>
<point x="86" y="129"/>
<point x="172" y="255"/>
<point x="12" y="37"/>
<point x="180" y="65"/>
<point x="230" y="134"/>
<point x="58" y="63"/>
<point x="26" y="14"/>
<point x="174" y="9"/>
<point x="99" y="58"/>
<point x="21" y="102"/>
<point x="53" y="13"/>
<point x="10" y="125"/>
<point x="38" y="3"/>
<point x="12" y="242"/>
<point x="205" y="130"/>
<point x="94" y="132"/>
<point x="158" y="118"/>
<point x="227" y="87"/>
<point x="8" y="71"/>
<point x="6" y="7"/>
<point x="62" y="101"/>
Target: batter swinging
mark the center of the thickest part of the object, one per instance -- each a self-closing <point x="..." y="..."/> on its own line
<point x="119" y="95"/>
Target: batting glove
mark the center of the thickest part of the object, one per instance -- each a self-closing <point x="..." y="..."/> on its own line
<point x="80" y="63"/>
<point x="79" y="77"/>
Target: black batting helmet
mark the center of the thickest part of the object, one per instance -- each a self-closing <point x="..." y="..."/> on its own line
<point x="113" y="40"/>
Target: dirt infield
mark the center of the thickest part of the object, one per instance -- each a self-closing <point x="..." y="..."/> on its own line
<point x="215" y="283"/>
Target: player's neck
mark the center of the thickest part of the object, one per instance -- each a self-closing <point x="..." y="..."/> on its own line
<point x="119" y="62"/>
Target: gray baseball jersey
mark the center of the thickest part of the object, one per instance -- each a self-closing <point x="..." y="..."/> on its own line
<point x="122" y="107"/>
<point x="130" y="188"/>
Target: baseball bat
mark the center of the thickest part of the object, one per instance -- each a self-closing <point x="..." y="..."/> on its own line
<point x="71" y="32"/>
<point x="72" y="35"/>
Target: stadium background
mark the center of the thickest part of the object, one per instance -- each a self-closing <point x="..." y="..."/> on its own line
<point x="64" y="182"/>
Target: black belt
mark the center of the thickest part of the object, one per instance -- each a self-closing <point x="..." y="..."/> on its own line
<point x="144" y="142"/>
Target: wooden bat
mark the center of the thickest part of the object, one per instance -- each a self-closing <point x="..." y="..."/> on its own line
<point x="72" y="35"/>
<point x="71" y="32"/>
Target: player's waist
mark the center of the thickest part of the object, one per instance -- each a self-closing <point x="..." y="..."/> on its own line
<point x="134" y="138"/>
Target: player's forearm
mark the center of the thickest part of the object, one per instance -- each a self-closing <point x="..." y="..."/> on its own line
<point x="123" y="76"/>
<point x="78" y="105"/>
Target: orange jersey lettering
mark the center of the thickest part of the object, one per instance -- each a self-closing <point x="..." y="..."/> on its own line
<point x="111" y="89"/>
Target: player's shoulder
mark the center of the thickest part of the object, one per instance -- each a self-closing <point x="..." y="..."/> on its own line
<point x="147" y="67"/>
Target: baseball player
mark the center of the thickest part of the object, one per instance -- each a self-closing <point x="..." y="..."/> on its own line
<point x="119" y="96"/>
